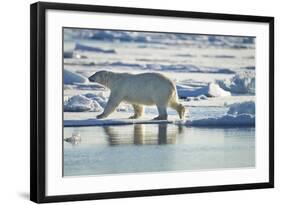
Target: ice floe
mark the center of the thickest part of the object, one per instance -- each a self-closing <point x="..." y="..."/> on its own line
<point x="226" y="120"/>
<point x="90" y="102"/>
<point x="243" y="82"/>
<point x="170" y="67"/>
<point x="162" y="38"/>
<point x="239" y="114"/>
<point x="80" y="103"/>
<point x="210" y="90"/>
<point x="71" y="78"/>
<point x="93" y="49"/>
<point x="241" y="108"/>
<point x="99" y="98"/>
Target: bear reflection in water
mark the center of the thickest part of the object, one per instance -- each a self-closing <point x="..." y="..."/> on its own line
<point x="142" y="136"/>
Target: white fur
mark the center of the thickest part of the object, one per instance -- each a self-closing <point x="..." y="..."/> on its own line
<point x="141" y="89"/>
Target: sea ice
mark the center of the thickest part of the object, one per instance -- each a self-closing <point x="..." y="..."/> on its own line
<point x="80" y="103"/>
<point x="243" y="82"/>
<point x="93" y="49"/>
<point x="169" y="67"/>
<point x="210" y="90"/>
<point x="161" y="38"/>
<point x="72" y="78"/>
<point x="200" y="97"/>
<point x="240" y="108"/>
<point x="239" y="114"/>
<point x="99" y="98"/>
<point x="226" y="120"/>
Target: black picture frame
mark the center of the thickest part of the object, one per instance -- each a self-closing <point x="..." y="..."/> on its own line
<point x="38" y="101"/>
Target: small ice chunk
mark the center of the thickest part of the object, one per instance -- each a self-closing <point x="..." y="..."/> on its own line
<point x="189" y="98"/>
<point x="203" y="97"/>
<point x="78" y="103"/>
<point x="74" y="139"/>
<point x="214" y="90"/>
<point x="98" y="98"/>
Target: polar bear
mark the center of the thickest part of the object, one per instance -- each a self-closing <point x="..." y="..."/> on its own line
<point x="139" y="90"/>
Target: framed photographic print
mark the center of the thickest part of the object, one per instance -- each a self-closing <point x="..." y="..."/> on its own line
<point x="129" y="102"/>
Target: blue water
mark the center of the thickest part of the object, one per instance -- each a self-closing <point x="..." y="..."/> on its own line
<point x="156" y="148"/>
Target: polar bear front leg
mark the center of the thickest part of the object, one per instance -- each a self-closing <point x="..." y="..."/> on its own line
<point x="162" y="110"/>
<point x="138" y="109"/>
<point x="112" y="103"/>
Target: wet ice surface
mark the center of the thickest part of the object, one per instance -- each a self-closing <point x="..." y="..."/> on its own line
<point x="153" y="148"/>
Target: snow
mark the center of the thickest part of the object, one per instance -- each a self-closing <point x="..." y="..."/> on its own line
<point x="99" y="98"/>
<point x="72" y="78"/>
<point x="243" y="82"/>
<point x="162" y="38"/>
<point x="188" y="68"/>
<point x="181" y="68"/>
<point x="90" y="86"/>
<point x="210" y="90"/>
<point x="93" y="49"/>
<point x="167" y="67"/>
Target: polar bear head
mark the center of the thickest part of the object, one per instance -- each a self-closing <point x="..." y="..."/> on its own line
<point x="101" y="77"/>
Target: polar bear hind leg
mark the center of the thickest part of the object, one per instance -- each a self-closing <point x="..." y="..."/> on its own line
<point x="138" y="109"/>
<point x="162" y="110"/>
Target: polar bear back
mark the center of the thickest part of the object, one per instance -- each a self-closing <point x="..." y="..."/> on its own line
<point x="145" y="88"/>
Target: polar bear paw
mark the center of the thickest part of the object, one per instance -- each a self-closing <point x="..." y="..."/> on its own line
<point x="161" y="117"/>
<point x="134" y="117"/>
<point x="101" y="116"/>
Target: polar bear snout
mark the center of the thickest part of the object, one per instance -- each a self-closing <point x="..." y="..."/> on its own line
<point x="97" y="77"/>
<point x="100" y="77"/>
<point x="92" y="78"/>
